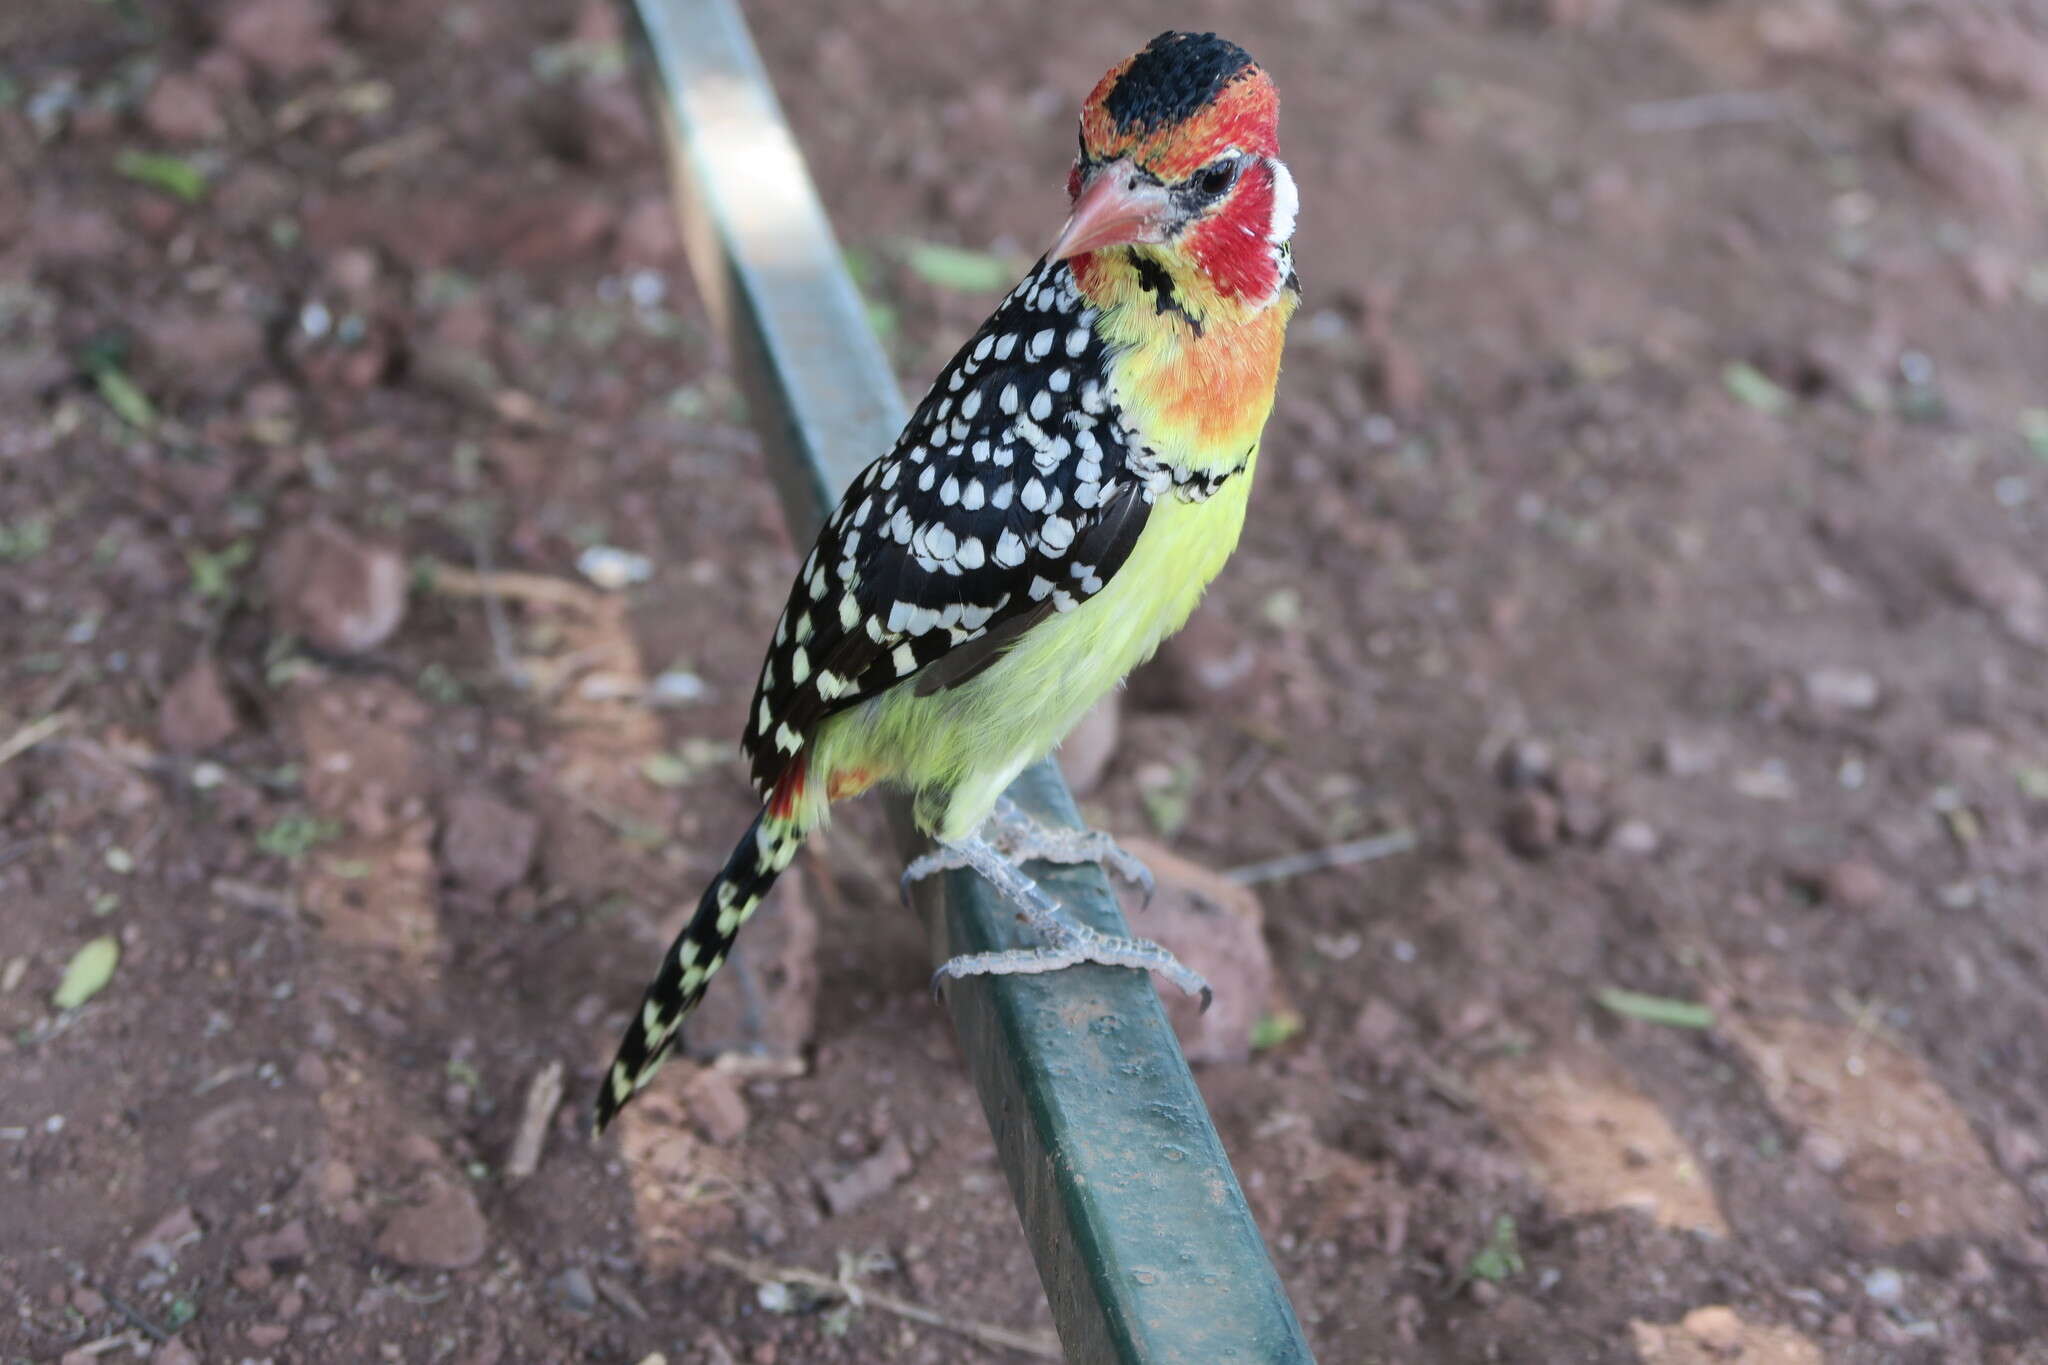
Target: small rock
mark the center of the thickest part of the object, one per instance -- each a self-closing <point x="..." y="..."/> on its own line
<point x="1533" y="824"/>
<point x="575" y="1289"/>
<point x="1217" y="928"/>
<point x="281" y="37"/>
<point x="173" y="1231"/>
<point x="1209" y="663"/>
<point x="182" y="108"/>
<point x="1525" y="763"/>
<point x="1957" y="154"/>
<point x="1715" y="1327"/>
<point x="267" y="1336"/>
<point x="1842" y="689"/>
<point x="557" y="231"/>
<point x="1998" y="583"/>
<point x="647" y="233"/>
<point x="716" y="1106"/>
<point x="1634" y="837"/>
<point x="208" y="353"/>
<point x="868" y="1179"/>
<point x="335" y="1181"/>
<point x="1884" y="1285"/>
<point x="1853" y="885"/>
<point x="253" y="1278"/>
<point x="487" y="845"/>
<point x="342" y="594"/>
<point x="196" y="713"/>
<point x="286" y="1249"/>
<point x="1687" y="755"/>
<point x="1088" y="748"/>
<point x="1581" y="789"/>
<point x="1973" y="1267"/>
<point x="444" y="1231"/>
<point x="88" y="1301"/>
<point x="174" y="1352"/>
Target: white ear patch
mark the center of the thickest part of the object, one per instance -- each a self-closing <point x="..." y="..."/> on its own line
<point x="1286" y="203"/>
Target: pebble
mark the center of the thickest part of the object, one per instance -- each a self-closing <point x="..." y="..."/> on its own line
<point x="1956" y="153"/>
<point x="1853" y="885"/>
<point x="266" y="1336"/>
<point x="575" y="1289"/>
<point x="717" y="1107"/>
<point x="1525" y="763"/>
<point x="173" y="1231"/>
<point x="1687" y="755"/>
<point x="867" y="1180"/>
<point x="1633" y="837"/>
<point x="182" y="108"/>
<point x="1842" y="689"/>
<point x="614" y="569"/>
<point x="342" y="594"/>
<point x="196" y="712"/>
<point x="280" y="37"/>
<point x="445" y="1230"/>
<point x="289" y="1246"/>
<point x="487" y="845"/>
<point x="1533" y="824"/>
<point x="1884" y="1285"/>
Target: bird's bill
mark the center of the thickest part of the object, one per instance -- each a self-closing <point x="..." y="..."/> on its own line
<point x="1117" y="207"/>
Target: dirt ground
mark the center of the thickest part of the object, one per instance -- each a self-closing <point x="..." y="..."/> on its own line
<point x="1652" y="523"/>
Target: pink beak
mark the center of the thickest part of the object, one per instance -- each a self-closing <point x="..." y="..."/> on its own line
<point x="1117" y="207"/>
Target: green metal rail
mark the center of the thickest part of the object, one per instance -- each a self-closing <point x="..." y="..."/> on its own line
<point x="1142" y="1237"/>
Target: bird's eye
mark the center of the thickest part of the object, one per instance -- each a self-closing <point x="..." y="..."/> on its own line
<point x="1216" y="178"/>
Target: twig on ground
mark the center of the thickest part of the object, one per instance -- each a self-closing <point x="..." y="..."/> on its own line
<point x="32" y="734"/>
<point x="543" y="1097"/>
<point x="450" y="580"/>
<point x="1319" y="859"/>
<point x="1706" y="111"/>
<point x="760" y="1272"/>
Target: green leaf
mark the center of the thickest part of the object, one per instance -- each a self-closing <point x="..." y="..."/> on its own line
<point x="128" y="401"/>
<point x="1276" y="1028"/>
<point x="1656" y="1009"/>
<point x="2034" y="427"/>
<point x="1500" y="1257"/>
<point x="173" y="175"/>
<point x="92" y="967"/>
<point x="1753" y="387"/>
<point x="957" y="267"/>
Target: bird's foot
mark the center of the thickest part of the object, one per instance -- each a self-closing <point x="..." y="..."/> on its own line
<point x="1068" y="942"/>
<point x="1021" y="838"/>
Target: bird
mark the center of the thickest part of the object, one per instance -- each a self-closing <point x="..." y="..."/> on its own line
<point x="1056" y="506"/>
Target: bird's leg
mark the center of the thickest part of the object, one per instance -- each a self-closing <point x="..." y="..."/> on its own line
<point x="1021" y="838"/>
<point x="1069" y="941"/>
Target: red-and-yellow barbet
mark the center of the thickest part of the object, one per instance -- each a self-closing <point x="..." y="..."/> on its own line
<point x="1059" y="502"/>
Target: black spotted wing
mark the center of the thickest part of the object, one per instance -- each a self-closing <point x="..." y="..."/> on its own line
<point x="1014" y="492"/>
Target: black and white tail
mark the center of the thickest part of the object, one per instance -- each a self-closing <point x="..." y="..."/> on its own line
<point x="697" y="954"/>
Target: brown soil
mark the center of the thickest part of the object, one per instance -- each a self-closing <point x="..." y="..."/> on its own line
<point x="1652" y="522"/>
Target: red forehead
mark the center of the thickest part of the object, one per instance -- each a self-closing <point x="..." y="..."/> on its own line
<point x="1244" y="114"/>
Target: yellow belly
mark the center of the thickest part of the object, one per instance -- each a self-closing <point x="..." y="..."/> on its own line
<point x="960" y="748"/>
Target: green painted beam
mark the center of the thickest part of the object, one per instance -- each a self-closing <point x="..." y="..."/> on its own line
<point x="1144" y="1242"/>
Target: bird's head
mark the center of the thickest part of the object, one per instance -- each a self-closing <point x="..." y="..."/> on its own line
<point x="1180" y="165"/>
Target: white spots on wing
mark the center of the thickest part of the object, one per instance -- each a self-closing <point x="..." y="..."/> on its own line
<point x="970" y="556"/>
<point x="1041" y="345"/>
<point x="849" y="612"/>
<point x="1007" y="400"/>
<point x="799" y="665"/>
<point x="927" y="478"/>
<point x="1058" y="381"/>
<point x="788" y="740"/>
<point x="949" y="491"/>
<point x="971" y="404"/>
<point x="1040" y="589"/>
<point x="1056" y="535"/>
<point x="905" y="659"/>
<point x="1077" y="341"/>
<point x="1006" y="345"/>
<point x="1009" y="549"/>
<point x="972" y="495"/>
<point x="890" y="474"/>
<point x="831" y="686"/>
<point x="1041" y="406"/>
<point x="984" y="346"/>
<point x="764" y="718"/>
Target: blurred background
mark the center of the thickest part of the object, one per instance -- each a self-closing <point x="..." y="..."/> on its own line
<point x="1649" y="553"/>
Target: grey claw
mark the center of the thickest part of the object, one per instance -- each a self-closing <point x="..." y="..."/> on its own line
<point x="1208" y="998"/>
